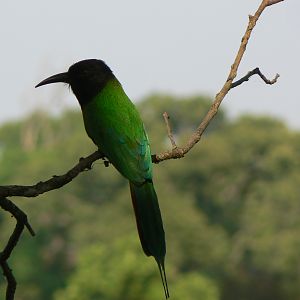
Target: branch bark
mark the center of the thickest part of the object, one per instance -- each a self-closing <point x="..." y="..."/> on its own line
<point x="179" y="152"/>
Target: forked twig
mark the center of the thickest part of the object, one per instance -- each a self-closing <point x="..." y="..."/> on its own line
<point x="196" y="136"/>
<point x="255" y="71"/>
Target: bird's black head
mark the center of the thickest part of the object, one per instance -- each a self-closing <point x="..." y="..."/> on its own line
<point x="86" y="78"/>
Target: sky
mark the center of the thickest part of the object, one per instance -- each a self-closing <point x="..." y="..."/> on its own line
<point x="169" y="46"/>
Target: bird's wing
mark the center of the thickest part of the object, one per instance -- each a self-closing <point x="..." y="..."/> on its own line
<point x="130" y="155"/>
<point x="113" y="123"/>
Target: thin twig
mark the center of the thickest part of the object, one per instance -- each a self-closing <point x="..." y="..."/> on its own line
<point x="169" y="130"/>
<point x="251" y="73"/>
<point x="271" y="2"/>
<point x="196" y="136"/>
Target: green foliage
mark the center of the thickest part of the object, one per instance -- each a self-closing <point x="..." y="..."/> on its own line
<point x="230" y="207"/>
<point x="120" y="271"/>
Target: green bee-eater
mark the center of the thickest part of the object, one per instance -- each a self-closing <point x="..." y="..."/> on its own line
<point x="114" y="124"/>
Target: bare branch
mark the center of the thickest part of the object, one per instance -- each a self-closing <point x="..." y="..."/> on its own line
<point x="22" y="221"/>
<point x="32" y="191"/>
<point x="196" y="136"/>
<point x="53" y="183"/>
<point x="251" y="73"/>
<point x="169" y="130"/>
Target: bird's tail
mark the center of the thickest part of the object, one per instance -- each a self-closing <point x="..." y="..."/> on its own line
<point x="149" y="225"/>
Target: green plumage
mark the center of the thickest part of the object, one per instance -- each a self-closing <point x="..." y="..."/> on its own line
<point x="113" y="123"/>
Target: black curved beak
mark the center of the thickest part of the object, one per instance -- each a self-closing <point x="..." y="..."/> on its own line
<point x="61" y="77"/>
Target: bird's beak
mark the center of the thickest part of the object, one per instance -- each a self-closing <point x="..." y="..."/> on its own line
<point x="61" y="77"/>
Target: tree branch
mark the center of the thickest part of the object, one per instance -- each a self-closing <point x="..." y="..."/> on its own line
<point x="251" y="73"/>
<point x="22" y="222"/>
<point x="196" y="136"/>
<point x="53" y="183"/>
<point x="32" y="191"/>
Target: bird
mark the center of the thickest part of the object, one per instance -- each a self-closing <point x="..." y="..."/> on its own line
<point x="113" y="123"/>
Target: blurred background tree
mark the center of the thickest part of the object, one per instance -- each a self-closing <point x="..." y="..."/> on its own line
<point x="231" y="210"/>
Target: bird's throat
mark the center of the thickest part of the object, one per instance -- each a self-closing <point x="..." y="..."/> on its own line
<point x="85" y="93"/>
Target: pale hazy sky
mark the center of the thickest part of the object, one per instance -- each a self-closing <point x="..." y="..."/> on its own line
<point x="181" y="47"/>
